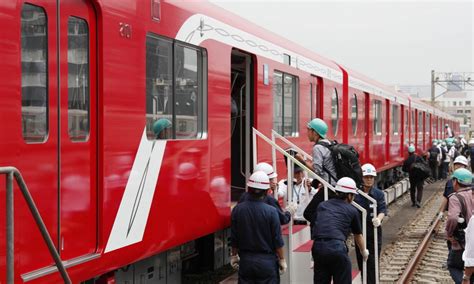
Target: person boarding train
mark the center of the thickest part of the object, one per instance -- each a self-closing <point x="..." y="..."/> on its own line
<point x="256" y="241"/>
<point x="334" y="220"/>
<point x="284" y="216"/>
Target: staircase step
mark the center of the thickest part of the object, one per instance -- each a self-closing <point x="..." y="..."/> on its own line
<point x="306" y="247"/>
<point x="285" y="230"/>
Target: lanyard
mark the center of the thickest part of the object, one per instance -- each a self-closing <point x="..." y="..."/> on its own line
<point x="297" y="193"/>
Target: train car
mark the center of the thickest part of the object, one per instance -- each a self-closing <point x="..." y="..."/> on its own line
<point x="84" y="81"/>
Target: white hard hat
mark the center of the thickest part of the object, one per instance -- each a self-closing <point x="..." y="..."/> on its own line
<point x="461" y="160"/>
<point x="347" y="185"/>
<point x="259" y="180"/>
<point x="369" y="170"/>
<point x="266" y="168"/>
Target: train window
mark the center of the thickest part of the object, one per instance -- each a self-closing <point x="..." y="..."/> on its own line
<point x="377" y="117"/>
<point x="412" y="122"/>
<point x="34" y="74"/>
<point x="395" y="119"/>
<point x="178" y="96"/>
<point x="420" y="122"/>
<point x="427" y="123"/>
<point x="354" y="114"/>
<point x="334" y="111"/>
<point x="406" y="121"/>
<point x="285" y="94"/>
<point x="78" y="79"/>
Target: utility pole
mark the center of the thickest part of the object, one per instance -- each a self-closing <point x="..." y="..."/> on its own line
<point x="432" y="88"/>
<point x="464" y="80"/>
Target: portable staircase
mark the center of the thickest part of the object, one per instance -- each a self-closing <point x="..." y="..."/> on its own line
<point x="297" y="237"/>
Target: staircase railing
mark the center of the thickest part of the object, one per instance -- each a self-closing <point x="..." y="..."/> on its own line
<point x="365" y="195"/>
<point x="326" y="186"/>
<point x="11" y="173"/>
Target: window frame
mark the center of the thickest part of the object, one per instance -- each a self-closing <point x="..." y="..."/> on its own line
<point x="45" y="108"/>
<point x="295" y="103"/>
<point x="395" y="121"/>
<point x="335" y="120"/>
<point x="354" y="120"/>
<point x="377" y="117"/>
<point x="202" y="90"/>
<point x="74" y="139"/>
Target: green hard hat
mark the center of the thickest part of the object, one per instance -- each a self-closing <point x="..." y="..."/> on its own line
<point x="463" y="176"/>
<point x="161" y="124"/>
<point x="319" y="126"/>
<point x="411" y="149"/>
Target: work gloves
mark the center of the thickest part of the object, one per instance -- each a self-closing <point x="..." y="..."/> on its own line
<point x="365" y="254"/>
<point x="291" y="208"/>
<point x="282" y="265"/>
<point x="234" y="261"/>
<point x="376" y="222"/>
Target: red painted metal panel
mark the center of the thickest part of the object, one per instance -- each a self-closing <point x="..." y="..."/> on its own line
<point x="78" y="206"/>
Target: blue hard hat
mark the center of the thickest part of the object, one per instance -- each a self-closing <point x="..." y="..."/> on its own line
<point x="463" y="176"/>
<point x="319" y="126"/>
<point x="161" y="124"/>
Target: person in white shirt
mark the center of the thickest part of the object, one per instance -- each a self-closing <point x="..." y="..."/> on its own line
<point x="448" y="131"/>
<point x="302" y="193"/>
<point x="468" y="254"/>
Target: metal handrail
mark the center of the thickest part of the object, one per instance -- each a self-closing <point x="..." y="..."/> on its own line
<point x="361" y="192"/>
<point x="292" y="160"/>
<point x="11" y="172"/>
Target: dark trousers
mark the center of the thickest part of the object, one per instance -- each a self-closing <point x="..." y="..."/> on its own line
<point x="472" y="165"/>
<point x="331" y="262"/>
<point x="416" y="187"/>
<point x="434" y="170"/>
<point x="444" y="169"/>
<point x="370" y="260"/>
<point x="456" y="266"/>
<point x="258" y="268"/>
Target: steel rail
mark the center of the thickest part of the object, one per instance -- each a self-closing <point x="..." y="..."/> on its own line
<point x="409" y="272"/>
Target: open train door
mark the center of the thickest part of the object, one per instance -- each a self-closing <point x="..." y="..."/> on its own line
<point x="77" y="129"/>
<point x="242" y="86"/>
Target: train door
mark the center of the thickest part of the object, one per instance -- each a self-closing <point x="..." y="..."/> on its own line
<point x="242" y="87"/>
<point x="77" y="129"/>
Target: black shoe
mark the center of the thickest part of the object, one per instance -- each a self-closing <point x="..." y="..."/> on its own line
<point x="418" y="205"/>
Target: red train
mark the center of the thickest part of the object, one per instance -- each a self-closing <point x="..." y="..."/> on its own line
<point x="83" y="83"/>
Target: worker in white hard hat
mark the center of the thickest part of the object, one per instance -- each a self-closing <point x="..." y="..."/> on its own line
<point x="283" y="215"/>
<point x="335" y="219"/>
<point x="256" y="241"/>
<point x="369" y="173"/>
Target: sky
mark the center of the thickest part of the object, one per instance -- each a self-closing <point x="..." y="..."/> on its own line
<point x="393" y="42"/>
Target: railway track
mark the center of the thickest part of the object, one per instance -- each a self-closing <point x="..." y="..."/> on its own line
<point x="420" y="254"/>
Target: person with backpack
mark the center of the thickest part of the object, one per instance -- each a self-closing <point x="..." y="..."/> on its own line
<point x="434" y="159"/>
<point x="322" y="164"/>
<point x="460" y="206"/>
<point x="416" y="176"/>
